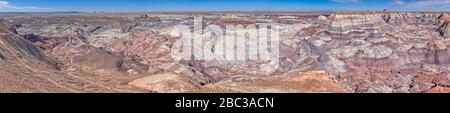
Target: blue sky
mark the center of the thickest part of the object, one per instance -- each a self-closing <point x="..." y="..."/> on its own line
<point x="218" y="5"/>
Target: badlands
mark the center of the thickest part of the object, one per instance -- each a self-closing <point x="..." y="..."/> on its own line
<point x="322" y="52"/>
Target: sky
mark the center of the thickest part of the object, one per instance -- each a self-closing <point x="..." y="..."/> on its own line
<point x="219" y="5"/>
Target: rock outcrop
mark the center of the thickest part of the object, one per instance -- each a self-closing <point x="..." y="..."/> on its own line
<point x="443" y="23"/>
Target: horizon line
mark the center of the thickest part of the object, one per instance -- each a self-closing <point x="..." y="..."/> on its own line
<point x="250" y="11"/>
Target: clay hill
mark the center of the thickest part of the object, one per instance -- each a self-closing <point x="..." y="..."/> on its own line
<point x="362" y="52"/>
